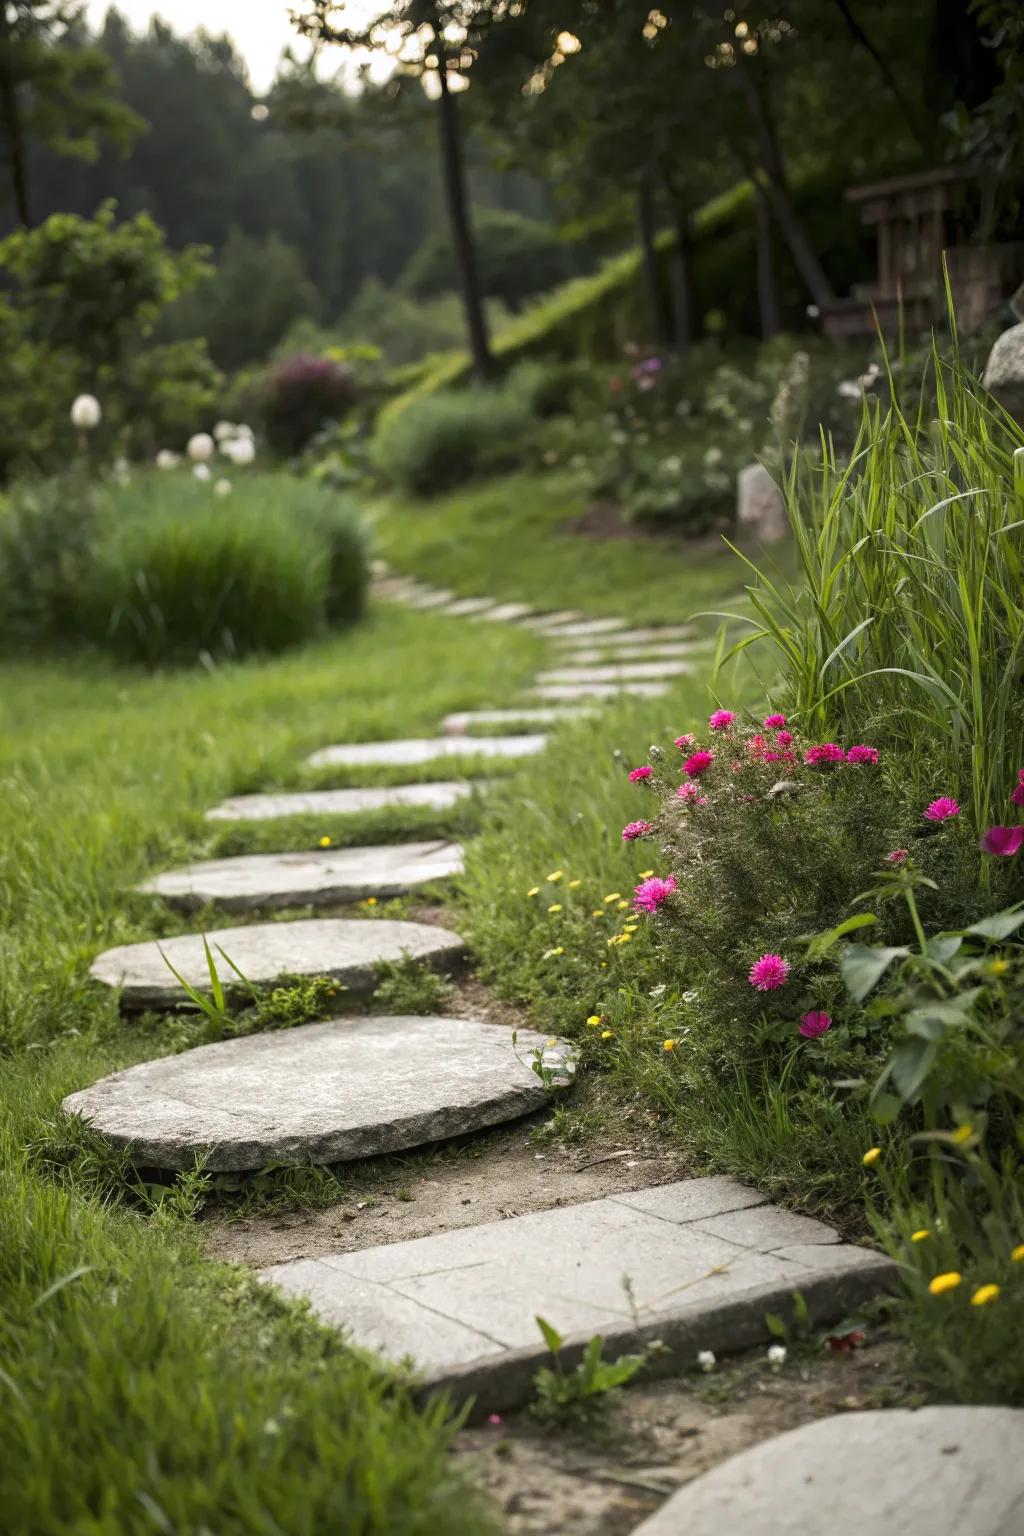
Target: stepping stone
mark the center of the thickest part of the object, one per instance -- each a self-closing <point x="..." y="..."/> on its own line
<point x="932" y="1472"/>
<point x="321" y="1093"/>
<point x="455" y="725"/>
<point x="628" y="672"/>
<point x="411" y="754"/>
<point x="566" y="692"/>
<point x="591" y="656"/>
<point x="317" y="878"/>
<point x="432" y="599"/>
<point x="396" y="589"/>
<point x="466" y="607"/>
<point x="585" y="628"/>
<point x="706" y="1260"/>
<point x="506" y="613"/>
<point x="641" y="636"/>
<point x="340" y="802"/>
<point x="545" y="621"/>
<point x="349" y="949"/>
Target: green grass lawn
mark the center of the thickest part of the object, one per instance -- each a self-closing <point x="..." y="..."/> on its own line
<point x="144" y="1389"/>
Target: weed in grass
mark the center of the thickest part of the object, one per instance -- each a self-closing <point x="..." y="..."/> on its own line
<point x="406" y="986"/>
<point x="582" y="1396"/>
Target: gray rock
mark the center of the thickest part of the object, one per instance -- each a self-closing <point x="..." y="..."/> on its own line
<point x="650" y="634"/>
<point x="348" y="949"/>
<point x="584" y="628"/>
<point x="934" y="1472"/>
<point x="468" y="607"/>
<point x="321" y="1093"/>
<point x="558" y="693"/>
<point x="706" y="1259"/>
<point x="626" y="672"/>
<point x="464" y="720"/>
<point x="412" y="754"/>
<point x="341" y="802"/>
<point x="550" y="621"/>
<point x="432" y="597"/>
<point x="604" y="655"/>
<point x="506" y="613"/>
<point x="319" y="877"/>
<point x="1004" y="371"/>
<point x="760" y="505"/>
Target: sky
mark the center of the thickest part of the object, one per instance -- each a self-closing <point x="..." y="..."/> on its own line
<point x="260" y="28"/>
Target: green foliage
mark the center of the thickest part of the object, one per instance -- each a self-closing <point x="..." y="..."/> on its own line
<point x="517" y="257"/>
<point x="450" y="437"/>
<point x="408" y="987"/>
<point x="406" y="329"/>
<point x="583" y="1395"/>
<point x="301" y="1002"/>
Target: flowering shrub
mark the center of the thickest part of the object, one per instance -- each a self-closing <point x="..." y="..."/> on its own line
<point x="301" y="395"/>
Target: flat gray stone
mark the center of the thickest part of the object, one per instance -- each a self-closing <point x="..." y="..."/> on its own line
<point x="545" y="621"/>
<point x="319" y="877"/>
<point x="468" y="607"/>
<point x="348" y="949"/>
<point x="506" y="613"/>
<point x="933" y="1472"/>
<point x="584" y="628"/>
<point x="457" y="724"/>
<point x="760" y="505"/>
<point x="463" y="1304"/>
<point x="321" y="1093"/>
<point x="627" y="672"/>
<point x="340" y="802"/>
<point x="642" y="636"/>
<point x="565" y="692"/>
<point x="431" y="598"/>
<point x="605" y="655"/>
<point x="411" y="754"/>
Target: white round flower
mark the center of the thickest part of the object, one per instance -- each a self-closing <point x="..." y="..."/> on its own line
<point x="706" y="1359"/>
<point x="223" y="430"/>
<point x="222" y="488"/>
<point x="242" y="429"/>
<point x="167" y="459"/>
<point x="200" y="447"/>
<point x="777" y="1354"/>
<point x="121" y="472"/>
<point x="712" y="457"/>
<point x="86" y="413"/>
<point x="202" y="471"/>
<point x="240" y="450"/>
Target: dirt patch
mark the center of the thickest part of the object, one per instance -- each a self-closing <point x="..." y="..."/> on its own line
<point x="664" y="1435"/>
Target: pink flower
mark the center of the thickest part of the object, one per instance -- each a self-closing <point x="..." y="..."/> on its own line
<point x="776" y="757"/>
<point x="686" y="740"/>
<point x="757" y="746"/>
<point x="1003" y="842"/>
<point x="769" y="972"/>
<point x="1017" y="798"/>
<point x="651" y="893"/>
<point x="721" y="720"/>
<point x="814" y="1024"/>
<point x="897" y="856"/>
<point x="637" y="775"/>
<point x="494" y="1418"/>
<point x="1020" y="775"/>
<point x="699" y="763"/>
<point x="784" y="739"/>
<point x="774" y="722"/>
<point x="828" y="752"/>
<point x="862" y="755"/>
<point x="941" y="809"/>
<point x="737" y="767"/>
<point x="634" y="829"/>
<point x="688" y="792"/>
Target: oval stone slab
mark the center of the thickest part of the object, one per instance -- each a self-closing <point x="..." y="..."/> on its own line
<point x="321" y="1093"/>
<point x="346" y="948"/>
<point x="408" y="754"/>
<point x="316" y="878"/>
<point x="438" y="796"/>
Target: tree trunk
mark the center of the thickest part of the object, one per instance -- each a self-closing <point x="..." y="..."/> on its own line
<point x="767" y="288"/>
<point x="10" y="117"/>
<point x="771" y="178"/>
<point x="454" y="176"/>
<point x="652" y="278"/>
<point x="682" y="277"/>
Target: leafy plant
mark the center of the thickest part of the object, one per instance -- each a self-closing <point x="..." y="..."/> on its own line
<point x="406" y="986"/>
<point x="301" y="395"/>
<point x="450" y="437"/>
<point x="584" y="1394"/>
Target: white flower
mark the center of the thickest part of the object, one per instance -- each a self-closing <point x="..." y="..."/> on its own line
<point x="86" y="413"/>
<point x="200" y="447"/>
<point x="222" y="488"/>
<point x="121" y="472"/>
<point x="202" y="471"/>
<point x="849" y="389"/>
<point x="244" y="430"/>
<point x="712" y="457"/>
<point x="706" y="1359"/>
<point x="240" y="450"/>
<point x="777" y="1354"/>
<point x="672" y="465"/>
<point x="812" y="311"/>
<point x="167" y="459"/>
<point x="223" y="430"/>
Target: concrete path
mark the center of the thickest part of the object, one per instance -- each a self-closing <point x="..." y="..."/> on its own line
<point x="320" y="877"/>
<point x="933" y="1472"/>
<point x="342" y="802"/>
<point x="704" y="1261"/>
<point x="348" y="949"/>
<point x="320" y="1093"/>
<point x="412" y="754"/>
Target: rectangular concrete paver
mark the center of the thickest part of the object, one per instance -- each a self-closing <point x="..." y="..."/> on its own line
<point x="697" y="1264"/>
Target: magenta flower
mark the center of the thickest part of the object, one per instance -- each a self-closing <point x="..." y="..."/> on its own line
<point x="1020" y="775"/>
<point x="684" y="741"/>
<point x="1003" y="842"/>
<point x="828" y="752"/>
<point x="637" y="775"/>
<point x="634" y="829"/>
<point x="862" y="755"/>
<point x="814" y="1024"/>
<point x="651" y="893"/>
<point x="897" y="856"/>
<point x="769" y="972"/>
<point x="1017" y="798"/>
<point x="774" y="722"/>
<point x="941" y="809"/>
<point x="688" y="792"/>
<point x="784" y="739"/>
<point x="757" y="746"/>
<point x="699" y="763"/>
<point x="721" y="720"/>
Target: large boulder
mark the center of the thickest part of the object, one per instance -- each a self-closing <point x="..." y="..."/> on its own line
<point x="1004" y="371"/>
<point x="760" y="505"/>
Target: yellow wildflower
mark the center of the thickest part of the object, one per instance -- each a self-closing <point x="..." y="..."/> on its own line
<point x="962" y="1134"/>
<point x="615" y="896"/>
<point x="947" y="1282"/>
<point x="325" y="842"/>
<point x="606" y="1034"/>
<point x="1017" y="1254"/>
<point x="556" y="874"/>
<point x="645" y="874"/>
<point x="999" y="967"/>
<point x="668" y="1045"/>
<point x="920" y="1235"/>
<point x="371" y="901"/>
<point x="555" y="907"/>
<point x="871" y="1156"/>
<point x="574" y="885"/>
<point x="598" y="912"/>
<point x="984" y="1294"/>
<point x="623" y="906"/>
<point x="549" y="954"/>
<point x="534" y="891"/>
<point x="594" y="1020"/>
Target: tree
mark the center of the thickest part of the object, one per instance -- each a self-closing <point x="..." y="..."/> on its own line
<point x="55" y="88"/>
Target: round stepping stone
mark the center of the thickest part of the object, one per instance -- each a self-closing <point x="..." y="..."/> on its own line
<point x="927" y="1473"/>
<point x="455" y="725"/>
<point x="411" y="754"/>
<point x="349" y="949"/>
<point x="629" y="672"/>
<point x="340" y="802"/>
<point x="315" y="878"/>
<point x="558" y="693"/>
<point x="321" y="1093"/>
